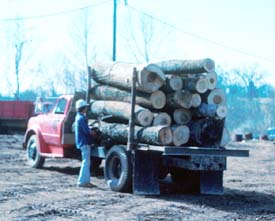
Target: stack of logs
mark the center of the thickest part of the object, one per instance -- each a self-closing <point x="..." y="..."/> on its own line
<point x="177" y="102"/>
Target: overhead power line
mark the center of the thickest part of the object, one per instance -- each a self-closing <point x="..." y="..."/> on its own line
<point x="199" y="36"/>
<point x="54" y="13"/>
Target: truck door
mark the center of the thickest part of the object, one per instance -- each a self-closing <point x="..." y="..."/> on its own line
<point x="53" y="123"/>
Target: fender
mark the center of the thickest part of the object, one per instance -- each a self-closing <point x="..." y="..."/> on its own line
<point x="41" y="145"/>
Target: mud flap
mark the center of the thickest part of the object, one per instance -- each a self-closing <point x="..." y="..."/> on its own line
<point x="146" y="166"/>
<point x="211" y="182"/>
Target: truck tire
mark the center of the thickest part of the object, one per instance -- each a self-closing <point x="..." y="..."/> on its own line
<point x="118" y="169"/>
<point x="185" y="180"/>
<point x="35" y="160"/>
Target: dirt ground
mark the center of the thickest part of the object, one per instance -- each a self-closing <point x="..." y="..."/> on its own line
<point x="51" y="193"/>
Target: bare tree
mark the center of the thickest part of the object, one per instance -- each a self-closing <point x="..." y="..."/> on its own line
<point x="81" y="37"/>
<point x="145" y="36"/>
<point x="17" y="39"/>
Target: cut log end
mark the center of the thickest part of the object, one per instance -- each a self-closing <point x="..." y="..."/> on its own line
<point x="175" y="83"/>
<point x="165" y="136"/>
<point x="202" y="85"/>
<point x="182" y="116"/>
<point x="151" y="78"/>
<point x="162" y="119"/>
<point x="209" y="65"/>
<point x="221" y="111"/>
<point x="196" y="100"/>
<point x="144" y="118"/>
<point x="181" y="135"/>
<point x="212" y="80"/>
<point x="216" y="96"/>
<point x="158" y="99"/>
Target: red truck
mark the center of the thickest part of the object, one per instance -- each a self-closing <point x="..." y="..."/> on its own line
<point x="133" y="167"/>
<point x="15" y="114"/>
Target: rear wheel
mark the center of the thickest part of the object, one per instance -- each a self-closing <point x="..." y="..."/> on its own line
<point x="118" y="169"/>
<point x="35" y="160"/>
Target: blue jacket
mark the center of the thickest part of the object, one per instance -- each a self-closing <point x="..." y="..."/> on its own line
<point x="82" y="131"/>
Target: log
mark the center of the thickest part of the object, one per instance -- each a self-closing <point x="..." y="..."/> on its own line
<point x="182" y="116"/>
<point x="173" y="83"/>
<point x="122" y="110"/>
<point x="181" y="134"/>
<point x="212" y="80"/>
<point x="180" y="99"/>
<point x="196" y="100"/>
<point x="118" y="74"/>
<point x="199" y="85"/>
<point x="162" y="118"/>
<point x="206" y="132"/>
<point x="216" y="96"/>
<point x="156" y="135"/>
<point x="179" y="67"/>
<point x="156" y="100"/>
<point x="210" y="110"/>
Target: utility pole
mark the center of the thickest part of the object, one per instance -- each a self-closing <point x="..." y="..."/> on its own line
<point x="114" y="31"/>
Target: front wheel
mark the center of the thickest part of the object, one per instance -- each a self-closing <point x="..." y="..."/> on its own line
<point x="118" y="169"/>
<point x="35" y="160"/>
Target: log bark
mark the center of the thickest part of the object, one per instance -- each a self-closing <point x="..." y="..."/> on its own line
<point x="173" y="83"/>
<point x="182" y="116"/>
<point x="180" y="99"/>
<point x="196" y="100"/>
<point x="162" y="118"/>
<point x="179" y="67"/>
<point x="181" y="134"/>
<point x="199" y="85"/>
<point x="122" y="110"/>
<point x="157" y="135"/>
<point x="216" y="96"/>
<point x="210" y="110"/>
<point x="212" y="80"/>
<point x="155" y="100"/>
<point x="118" y="74"/>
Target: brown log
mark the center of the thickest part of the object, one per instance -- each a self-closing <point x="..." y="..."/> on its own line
<point x="182" y="116"/>
<point x="210" y="110"/>
<point x="180" y="99"/>
<point x="156" y="100"/>
<point x="122" y="110"/>
<point x="157" y="135"/>
<point x="173" y="83"/>
<point x="162" y="118"/>
<point x="119" y="74"/>
<point x="212" y="80"/>
<point x="216" y="96"/>
<point x="187" y="66"/>
<point x="196" y="100"/>
<point x="199" y="85"/>
<point x="181" y="134"/>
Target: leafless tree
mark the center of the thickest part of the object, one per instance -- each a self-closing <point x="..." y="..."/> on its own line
<point x="82" y="40"/>
<point x="145" y="36"/>
<point x="17" y="39"/>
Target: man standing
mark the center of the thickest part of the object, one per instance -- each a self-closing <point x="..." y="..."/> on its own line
<point x="83" y="139"/>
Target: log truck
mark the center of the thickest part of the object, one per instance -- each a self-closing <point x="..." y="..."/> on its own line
<point x="133" y="166"/>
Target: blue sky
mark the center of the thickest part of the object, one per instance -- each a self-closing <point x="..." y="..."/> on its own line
<point x="235" y="33"/>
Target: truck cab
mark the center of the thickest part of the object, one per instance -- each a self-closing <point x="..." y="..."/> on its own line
<point x="50" y="134"/>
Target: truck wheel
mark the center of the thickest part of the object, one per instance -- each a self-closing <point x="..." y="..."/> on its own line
<point x="35" y="160"/>
<point x="118" y="169"/>
<point x="185" y="180"/>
